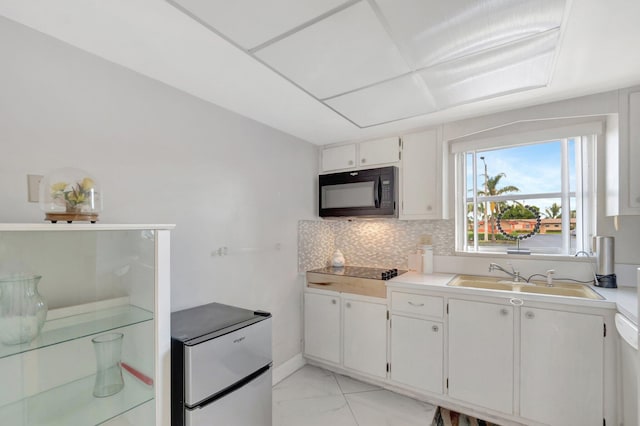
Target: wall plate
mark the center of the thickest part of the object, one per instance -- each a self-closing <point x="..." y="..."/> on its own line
<point x="33" y="188"/>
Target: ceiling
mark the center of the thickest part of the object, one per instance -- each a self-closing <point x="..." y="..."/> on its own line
<point x="335" y="70"/>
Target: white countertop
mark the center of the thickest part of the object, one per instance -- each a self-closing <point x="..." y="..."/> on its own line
<point x="624" y="299"/>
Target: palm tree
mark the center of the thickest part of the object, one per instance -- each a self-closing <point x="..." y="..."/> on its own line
<point x="493" y="190"/>
<point x="553" y="212"/>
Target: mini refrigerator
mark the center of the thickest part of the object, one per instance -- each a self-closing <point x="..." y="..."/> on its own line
<point x="221" y="365"/>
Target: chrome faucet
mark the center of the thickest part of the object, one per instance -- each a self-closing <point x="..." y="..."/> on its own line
<point x="515" y="274"/>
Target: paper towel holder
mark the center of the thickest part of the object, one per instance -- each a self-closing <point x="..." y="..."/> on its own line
<point x="604" y="248"/>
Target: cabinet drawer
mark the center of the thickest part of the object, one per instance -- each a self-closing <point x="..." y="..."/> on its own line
<point x="417" y="304"/>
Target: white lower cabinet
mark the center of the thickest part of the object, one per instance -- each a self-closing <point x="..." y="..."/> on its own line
<point x="481" y="347"/>
<point x="347" y="330"/>
<point x="417" y="353"/>
<point x="322" y="326"/>
<point x="561" y="367"/>
<point x="365" y="336"/>
<point x="528" y="361"/>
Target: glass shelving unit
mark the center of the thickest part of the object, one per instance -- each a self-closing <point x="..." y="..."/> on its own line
<point x="96" y="279"/>
<point x="81" y="325"/>
<point x="73" y="404"/>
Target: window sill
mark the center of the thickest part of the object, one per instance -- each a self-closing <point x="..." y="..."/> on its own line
<point x="532" y="256"/>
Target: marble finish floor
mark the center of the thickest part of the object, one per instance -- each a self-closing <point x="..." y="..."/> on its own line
<point x="316" y="397"/>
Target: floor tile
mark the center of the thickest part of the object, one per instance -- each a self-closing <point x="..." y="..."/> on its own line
<point x="320" y="411"/>
<point x="349" y="385"/>
<point x="313" y="396"/>
<point x="385" y="408"/>
<point x="308" y="382"/>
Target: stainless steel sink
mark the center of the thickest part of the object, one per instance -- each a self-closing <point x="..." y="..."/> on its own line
<point x="534" y="287"/>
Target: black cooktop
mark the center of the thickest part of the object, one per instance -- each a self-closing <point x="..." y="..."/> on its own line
<point x="361" y="272"/>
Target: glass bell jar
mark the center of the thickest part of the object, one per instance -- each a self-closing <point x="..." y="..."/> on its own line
<point x="70" y="195"/>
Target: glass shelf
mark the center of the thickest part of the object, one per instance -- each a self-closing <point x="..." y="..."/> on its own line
<point x="74" y="404"/>
<point x="81" y="325"/>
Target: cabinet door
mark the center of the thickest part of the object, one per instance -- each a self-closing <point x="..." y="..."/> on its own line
<point x="365" y="337"/>
<point x="420" y="183"/>
<point x="634" y="150"/>
<point x="379" y="151"/>
<point x="561" y="367"/>
<point x="417" y="353"/>
<point x="339" y="157"/>
<point x="322" y="326"/>
<point x="622" y="156"/>
<point x="481" y="337"/>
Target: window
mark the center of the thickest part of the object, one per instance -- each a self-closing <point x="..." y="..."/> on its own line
<point x="510" y="186"/>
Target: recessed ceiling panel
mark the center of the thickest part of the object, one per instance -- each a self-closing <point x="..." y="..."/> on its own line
<point x="396" y="99"/>
<point x="434" y="31"/>
<point x="518" y="66"/>
<point x="341" y="53"/>
<point x="250" y="23"/>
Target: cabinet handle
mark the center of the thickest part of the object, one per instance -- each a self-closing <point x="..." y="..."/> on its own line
<point x="416" y="304"/>
<point x="504" y="311"/>
<point x="350" y="162"/>
<point x="348" y="305"/>
<point x="333" y="301"/>
<point x="435" y="328"/>
<point x="364" y="160"/>
<point x="429" y="208"/>
<point x="530" y="315"/>
<point x="516" y="302"/>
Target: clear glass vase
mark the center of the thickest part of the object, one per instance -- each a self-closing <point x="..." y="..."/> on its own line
<point x="108" y="349"/>
<point x="23" y="310"/>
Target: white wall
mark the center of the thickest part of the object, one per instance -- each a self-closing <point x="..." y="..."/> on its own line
<point x="162" y="156"/>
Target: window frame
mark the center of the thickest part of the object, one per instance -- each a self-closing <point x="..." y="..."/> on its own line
<point x="588" y="130"/>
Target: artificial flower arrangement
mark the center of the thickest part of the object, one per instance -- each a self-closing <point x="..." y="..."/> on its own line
<point x="75" y="195"/>
<point x="70" y="195"/>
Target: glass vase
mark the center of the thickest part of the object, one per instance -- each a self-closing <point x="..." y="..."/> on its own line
<point x="108" y="348"/>
<point x="23" y="310"/>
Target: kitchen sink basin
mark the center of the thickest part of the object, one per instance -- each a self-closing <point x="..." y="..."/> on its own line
<point x="482" y="284"/>
<point x="535" y="287"/>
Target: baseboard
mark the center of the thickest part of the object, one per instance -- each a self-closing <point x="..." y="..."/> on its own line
<point x="287" y="368"/>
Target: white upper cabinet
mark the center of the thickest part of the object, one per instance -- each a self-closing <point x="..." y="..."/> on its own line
<point x="623" y="157"/>
<point x="363" y="155"/>
<point x="633" y="142"/>
<point x="338" y="157"/>
<point x="420" y="183"/>
<point x="379" y="151"/>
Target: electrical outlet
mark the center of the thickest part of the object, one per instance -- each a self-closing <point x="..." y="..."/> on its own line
<point x="33" y="188"/>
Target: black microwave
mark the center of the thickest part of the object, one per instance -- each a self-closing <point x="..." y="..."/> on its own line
<point x="367" y="193"/>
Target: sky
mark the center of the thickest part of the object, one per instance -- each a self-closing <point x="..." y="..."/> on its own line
<point x="532" y="168"/>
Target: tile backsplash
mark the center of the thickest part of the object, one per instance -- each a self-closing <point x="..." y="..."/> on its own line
<point x="382" y="243"/>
